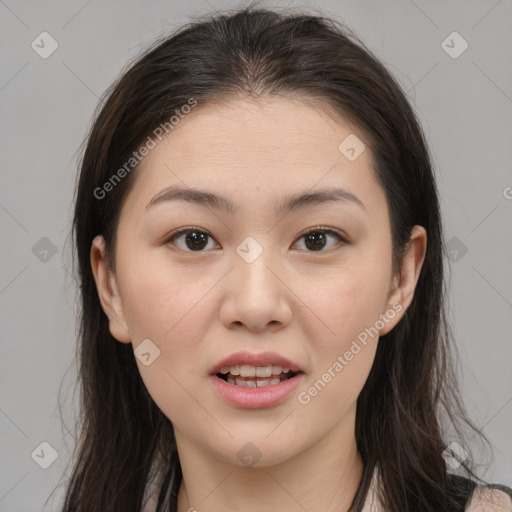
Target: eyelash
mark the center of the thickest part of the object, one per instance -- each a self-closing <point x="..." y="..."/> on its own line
<point x="316" y="229"/>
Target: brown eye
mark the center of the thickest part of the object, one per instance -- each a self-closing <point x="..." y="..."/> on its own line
<point x="316" y="239"/>
<point x="196" y="240"/>
<point x="193" y="240"/>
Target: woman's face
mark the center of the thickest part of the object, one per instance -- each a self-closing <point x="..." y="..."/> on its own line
<point x="251" y="281"/>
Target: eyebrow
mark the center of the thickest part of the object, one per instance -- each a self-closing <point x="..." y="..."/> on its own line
<point x="286" y="205"/>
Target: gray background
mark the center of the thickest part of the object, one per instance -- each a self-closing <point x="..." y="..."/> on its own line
<point x="464" y="104"/>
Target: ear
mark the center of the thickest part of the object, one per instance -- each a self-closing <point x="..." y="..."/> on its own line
<point x="108" y="291"/>
<point x="403" y="285"/>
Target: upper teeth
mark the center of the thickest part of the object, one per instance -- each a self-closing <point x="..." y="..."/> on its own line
<point x="253" y="371"/>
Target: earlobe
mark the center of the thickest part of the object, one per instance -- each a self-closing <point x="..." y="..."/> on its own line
<point x="108" y="291"/>
<point x="404" y="284"/>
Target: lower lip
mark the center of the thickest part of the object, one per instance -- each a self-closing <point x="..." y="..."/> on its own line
<point x="256" y="398"/>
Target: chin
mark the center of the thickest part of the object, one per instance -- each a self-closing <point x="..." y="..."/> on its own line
<point x="258" y="452"/>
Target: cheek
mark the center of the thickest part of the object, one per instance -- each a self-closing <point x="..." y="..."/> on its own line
<point x="346" y="302"/>
<point x="160" y="299"/>
<point x="166" y="308"/>
<point x="347" y="306"/>
<point x="171" y="310"/>
<point x="344" y="352"/>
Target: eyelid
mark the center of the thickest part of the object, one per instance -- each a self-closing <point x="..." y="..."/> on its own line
<point x="186" y="229"/>
<point x="326" y="229"/>
<point x="344" y="238"/>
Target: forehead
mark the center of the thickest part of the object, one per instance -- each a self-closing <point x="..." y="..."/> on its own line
<point x="239" y="131"/>
<point x="278" y="146"/>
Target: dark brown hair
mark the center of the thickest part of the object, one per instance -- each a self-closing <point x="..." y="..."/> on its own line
<point x="125" y="440"/>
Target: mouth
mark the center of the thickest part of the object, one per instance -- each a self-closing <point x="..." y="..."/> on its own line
<point x="247" y="376"/>
<point x="248" y="386"/>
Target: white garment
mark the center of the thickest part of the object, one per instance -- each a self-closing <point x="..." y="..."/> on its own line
<point x="372" y="503"/>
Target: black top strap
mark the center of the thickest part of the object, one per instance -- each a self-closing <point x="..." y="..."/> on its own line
<point x="462" y="488"/>
<point x="503" y="488"/>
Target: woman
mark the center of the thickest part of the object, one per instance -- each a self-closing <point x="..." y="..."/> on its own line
<point x="261" y="263"/>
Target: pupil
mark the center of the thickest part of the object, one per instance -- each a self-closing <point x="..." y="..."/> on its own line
<point x="318" y="240"/>
<point x="198" y="240"/>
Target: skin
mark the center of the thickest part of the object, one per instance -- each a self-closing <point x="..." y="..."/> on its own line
<point x="307" y="305"/>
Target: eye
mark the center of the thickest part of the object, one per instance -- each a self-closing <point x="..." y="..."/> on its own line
<point x="316" y="238"/>
<point x="194" y="238"/>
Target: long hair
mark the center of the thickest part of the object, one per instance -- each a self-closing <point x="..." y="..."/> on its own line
<point x="126" y="443"/>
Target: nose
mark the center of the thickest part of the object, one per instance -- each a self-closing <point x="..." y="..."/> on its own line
<point x="258" y="292"/>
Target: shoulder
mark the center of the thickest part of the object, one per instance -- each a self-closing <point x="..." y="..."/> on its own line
<point x="491" y="498"/>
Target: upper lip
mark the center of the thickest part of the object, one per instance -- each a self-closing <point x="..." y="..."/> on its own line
<point x="261" y="359"/>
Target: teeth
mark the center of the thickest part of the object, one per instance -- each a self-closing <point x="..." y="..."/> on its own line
<point x="253" y="383"/>
<point x="247" y="371"/>
<point x="254" y="371"/>
<point x="263" y="371"/>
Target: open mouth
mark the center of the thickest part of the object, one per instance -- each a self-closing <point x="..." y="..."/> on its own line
<point x="269" y="382"/>
<point x="255" y="377"/>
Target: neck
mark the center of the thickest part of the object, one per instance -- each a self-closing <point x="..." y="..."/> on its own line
<point x="323" y="477"/>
